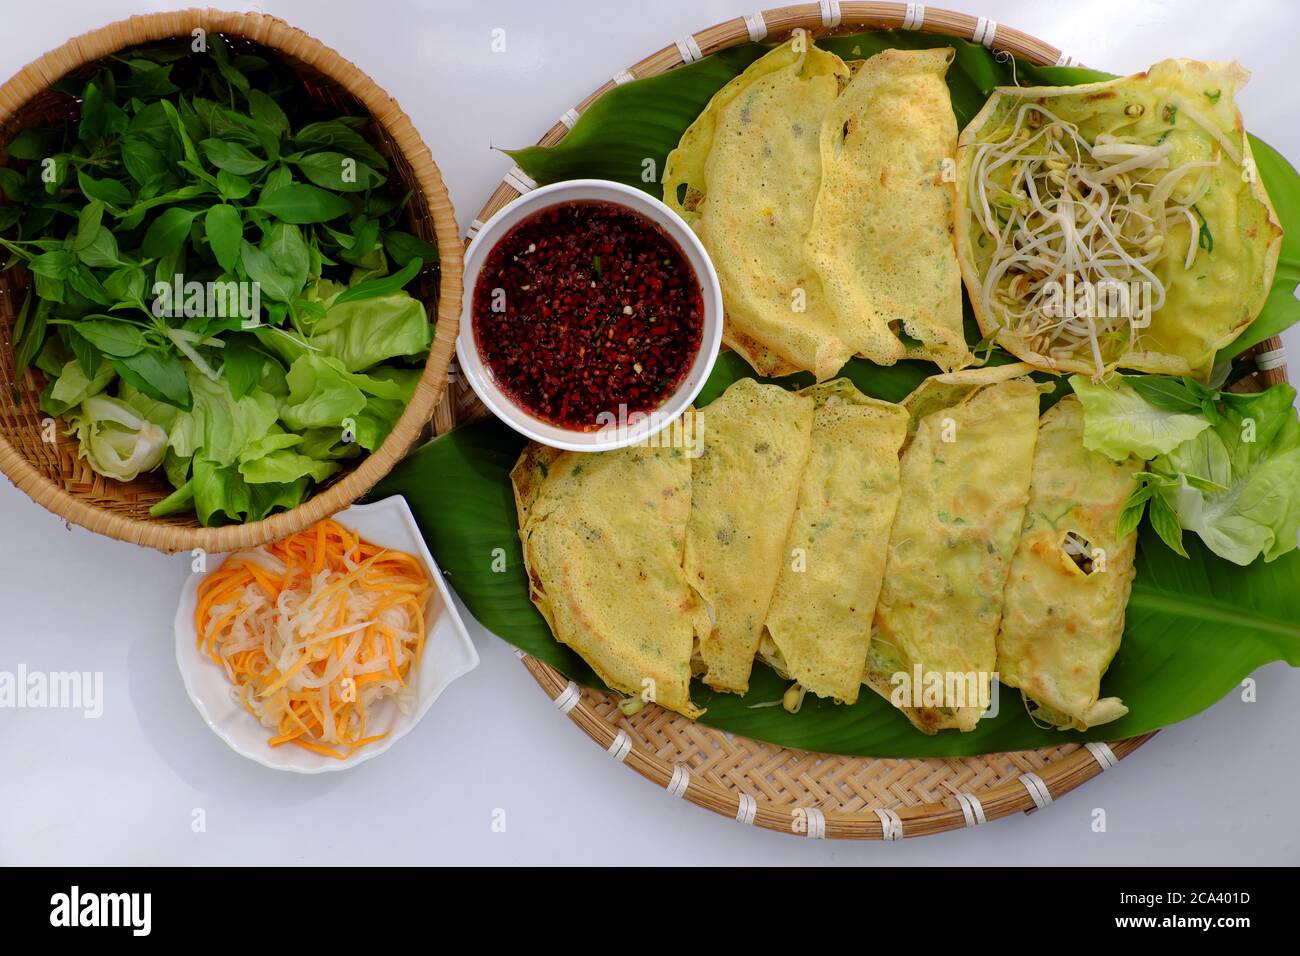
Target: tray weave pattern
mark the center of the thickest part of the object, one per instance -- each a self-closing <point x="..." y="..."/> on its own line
<point x="34" y="452"/>
<point x="807" y="794"/>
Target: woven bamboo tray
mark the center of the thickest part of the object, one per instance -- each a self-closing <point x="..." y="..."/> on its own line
<point x="52" y="473"/>
<point x="811" y="794"/>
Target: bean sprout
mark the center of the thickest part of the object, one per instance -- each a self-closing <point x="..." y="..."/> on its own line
<point x="1063" y="212"/>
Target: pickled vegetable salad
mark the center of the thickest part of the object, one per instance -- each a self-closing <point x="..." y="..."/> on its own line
<point x="314" y="631"/>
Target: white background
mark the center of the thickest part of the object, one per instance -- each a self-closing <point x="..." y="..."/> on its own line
<point x="1219" y="788"/>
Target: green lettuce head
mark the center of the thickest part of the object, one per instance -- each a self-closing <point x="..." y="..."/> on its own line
<point x="116" y="439"/>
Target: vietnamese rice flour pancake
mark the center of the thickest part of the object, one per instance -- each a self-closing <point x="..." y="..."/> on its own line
<point x="965" y="482"/>
<point x="820" y="617"/>
<point x="603" y="535"/>
<point x="745" y="176"/>
<point x="745" y="483"/>
<point x="882" y="233"/>
<point x="1070" y="579"/>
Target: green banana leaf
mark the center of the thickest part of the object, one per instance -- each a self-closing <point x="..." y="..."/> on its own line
<point x="1195" y="627"/>
<point x="644" y="120"/>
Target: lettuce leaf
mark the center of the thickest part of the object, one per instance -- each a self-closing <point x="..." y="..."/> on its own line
<point x="219" y="426"/>
<point x="1237" y="483"/>
<point x="322" y="394"/>
<point x="116" y="440"/>
<point x="223" y="493"/>
<point x="1120" y="423"/>
<point x="364" y="332"/>
<point x="73" y="386"/>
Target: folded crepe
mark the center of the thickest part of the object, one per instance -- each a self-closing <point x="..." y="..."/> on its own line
<point x="1167" y="150"/>
<point x="603" y="535"/>
<point x="965" y="483"/>
<point x="819" y="621"/>
<point x="825" y="196"/>
<point x="882" y="232"/>
<point x="745" y="483"/>
<point x="1070" y="578"/>
<point x="745" y="176"/>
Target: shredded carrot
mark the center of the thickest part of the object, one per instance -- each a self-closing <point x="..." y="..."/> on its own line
<point x="314" y="630"/>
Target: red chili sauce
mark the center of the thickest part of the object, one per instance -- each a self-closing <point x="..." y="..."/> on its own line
<point x="585" y="306"/>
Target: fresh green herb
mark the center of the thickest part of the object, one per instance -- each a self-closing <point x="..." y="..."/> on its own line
<point x="1224" y="465"/>
<point x="1204" y="239"/>
<point x="1137" y="416"/>
<point x="212" y="172"/>
<point x="1235" y="484"/>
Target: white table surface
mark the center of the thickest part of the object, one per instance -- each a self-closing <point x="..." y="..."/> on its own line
<point x="123" y="789"/>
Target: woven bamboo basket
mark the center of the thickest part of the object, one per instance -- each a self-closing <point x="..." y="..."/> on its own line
<point x="811" y="794"/>
<point x="52" y="473"/>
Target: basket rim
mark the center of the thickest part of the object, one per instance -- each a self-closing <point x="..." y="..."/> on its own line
<point x="274" y="33"/>
<point x="1061" y="774"/>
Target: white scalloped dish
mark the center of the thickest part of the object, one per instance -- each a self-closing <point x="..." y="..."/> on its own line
<point x="448" y="654"/>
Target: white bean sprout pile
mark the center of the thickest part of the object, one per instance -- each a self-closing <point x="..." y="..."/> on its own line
<point x="1056" y="206"/>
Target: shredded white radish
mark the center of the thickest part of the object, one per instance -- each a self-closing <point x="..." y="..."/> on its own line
<point x="314" y="631"/>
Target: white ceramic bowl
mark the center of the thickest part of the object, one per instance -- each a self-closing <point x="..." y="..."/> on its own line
<point x="480" y="377"/>
<point x="448" y="654"/>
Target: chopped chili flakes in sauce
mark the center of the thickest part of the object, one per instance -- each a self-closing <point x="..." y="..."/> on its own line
<point x="586" y="306"/>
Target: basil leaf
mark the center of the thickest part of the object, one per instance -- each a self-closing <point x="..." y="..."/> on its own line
<point x="231" y="186"/>
<point x="178" y="127"/>
<point x="100" y="116"/>
<point x="231" y="157"/>
<point x="142" y="160"/>
<point x="1134" y="508"/>
<point x="160" y="375"/>
<point x="274" y="283"/>
<point x="1165" y="522"/>
<point x="402" y="247"/>
<point x="365" y="238"/>
<point x="339" y="172"/>
<point x="102" y="251"/>
<point x="126" y="284"/>
<point x="118" y="339"/>
<point x="300" y="203"/>
<point x="33" y="335"/>
<point x="88" y="357"/>
<point x="267" y="112"/>
<point x="275" y="180"/>
<point x="168" y="232"/>
<point x="151" y="83"/>
<point x="34" y="144"/>
<point x="13" y="185"/>
<point x="53" y="265"/>
<point x="340" y="136"/>
<point x="108" y="191"/>
<point x="1165" y="392"/>
<point x="382" y="286"/>
<point x="243" y="365"/>
<point x="224" y="231"/>
<point x="150" y="125"/>
<point x="222" y="59"/>
<point x="88" y="224"/>
<point x="48" y="288"/>
<point x="288" y="251"/>
<point x="84" y="282"/>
